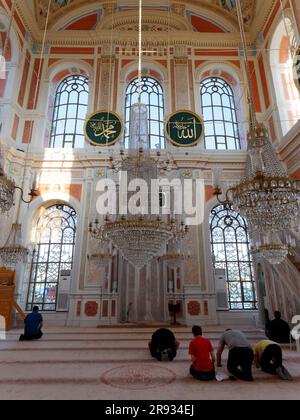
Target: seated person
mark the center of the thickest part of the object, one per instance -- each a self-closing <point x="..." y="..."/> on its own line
<point x="240" y="358"/>
<point x="268" y="356"/>
<point x="33" y="326"/>
<point x="279" y="330"/>
<point x="163" y="342"/>
<point x="203" y="357"/>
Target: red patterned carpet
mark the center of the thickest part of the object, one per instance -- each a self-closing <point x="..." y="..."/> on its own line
<point x="114" y="364"/>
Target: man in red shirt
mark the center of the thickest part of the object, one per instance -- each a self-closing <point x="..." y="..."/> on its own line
<point x="203" y="357"/>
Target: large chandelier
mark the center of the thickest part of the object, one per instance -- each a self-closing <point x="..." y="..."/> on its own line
<point x="266" y="196"/>
<point x="139" y="238"/>
<point x="13" y="252"/>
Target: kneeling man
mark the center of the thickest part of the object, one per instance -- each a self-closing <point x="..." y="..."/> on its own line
<point x="268" y="356"/>
<point x="163" y="343"/>
<point x="203" y="357"/>
<point x="33" y="326"/>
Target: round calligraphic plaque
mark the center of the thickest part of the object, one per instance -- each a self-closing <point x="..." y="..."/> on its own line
<point x="184" y="128"/>
<point x="296" y="68"/>
<point x="103" y="128"/>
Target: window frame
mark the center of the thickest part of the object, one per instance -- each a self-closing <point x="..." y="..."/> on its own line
<point x="219" y="126"/>
<point x="217" y="221"/>
<point x="69" y="219"/>
<point x="159" y="108"/>
<point x="60" y="139"/>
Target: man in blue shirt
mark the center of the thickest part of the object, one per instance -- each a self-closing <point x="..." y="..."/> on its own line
<point x="33" y="326"/>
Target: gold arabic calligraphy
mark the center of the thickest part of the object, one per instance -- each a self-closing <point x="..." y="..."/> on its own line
<point x="186" y="129"/>
<point x="104" y="128"/>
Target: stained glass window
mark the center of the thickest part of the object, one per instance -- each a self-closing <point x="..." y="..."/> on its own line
<point x="219" y="114"/>
<point x="231" y="252"/>
<point x="153" y="97"/>
<point x="53" y="253"/>
<point x="70" y="109"/>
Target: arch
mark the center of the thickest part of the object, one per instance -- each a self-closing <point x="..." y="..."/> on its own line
<point x="153" y="97"/>
<point x="151" y="68"/>
<point x="54" y="247"/>
<point x="281" y="63"/>
<point x="59" y="66"/>
<point x="70" y="107"/>
<point x="86" y="22"/>
<point x="230" y="247"/>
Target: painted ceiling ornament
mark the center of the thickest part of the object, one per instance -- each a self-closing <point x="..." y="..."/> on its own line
<point x="56" y="6"/>
<point x="248" y="7"/>
<point x="228" y="4"/>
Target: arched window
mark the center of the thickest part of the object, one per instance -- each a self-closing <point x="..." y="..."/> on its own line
<point x="52" y="254"/>
<point x="70" y="109"/>
<point x="219" y="114"/>
<point x="282" y="50"/>
<point x="153" y="97"/>
<point x="231" y="252"/>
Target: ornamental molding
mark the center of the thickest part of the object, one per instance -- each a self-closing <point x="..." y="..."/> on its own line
<point x="60" y="8"/>
<point x="161" y="21"/>
<point x="150" y="39"/>
<point x="32" y="13"/>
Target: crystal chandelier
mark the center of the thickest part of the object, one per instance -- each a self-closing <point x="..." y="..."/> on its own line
<point x="266" y="196"/>
<point x="13" y="251"/>
<point x="7" y="191"/>
<point x="139" y="238"/>
<point x="272" y="249"/>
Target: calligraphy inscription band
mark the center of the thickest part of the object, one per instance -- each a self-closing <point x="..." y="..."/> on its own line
<point x="296" y="68"/>
<point x="104" y="128"/>
<point x="184" y="128"/>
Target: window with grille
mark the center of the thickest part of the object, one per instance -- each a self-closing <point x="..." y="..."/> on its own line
<point x="152" y="96"/>
<point x="70" y="109"/>
<point x="219" y="114"/>
<point x="231" y="252"/>
<point x="53" y="253"/>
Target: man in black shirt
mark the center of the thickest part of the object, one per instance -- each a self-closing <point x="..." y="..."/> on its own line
<point x="279" y="330"/>
<point x="163" y="342"/>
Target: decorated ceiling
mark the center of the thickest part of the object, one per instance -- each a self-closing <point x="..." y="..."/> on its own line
<point x="89" y="15"/>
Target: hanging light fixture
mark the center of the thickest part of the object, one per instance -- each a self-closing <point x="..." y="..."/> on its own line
<point x="139" y="238"/>
<point x="267" y="197"/>
<point x="7" y="192"/>
<point x="13" y="251"/>
<point x="273" y="249"/>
